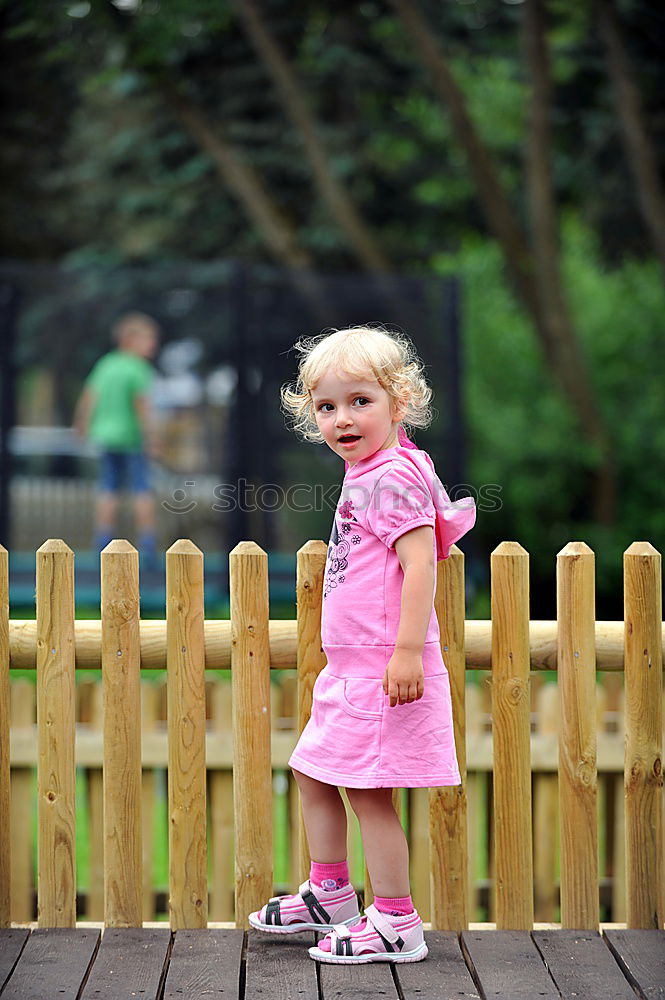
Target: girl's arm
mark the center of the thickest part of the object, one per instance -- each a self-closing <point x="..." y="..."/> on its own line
<point x="415" y="551"/>
<point x="404" y="677"/>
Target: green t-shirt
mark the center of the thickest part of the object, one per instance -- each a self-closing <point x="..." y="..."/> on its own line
<point x="115" y="382"/>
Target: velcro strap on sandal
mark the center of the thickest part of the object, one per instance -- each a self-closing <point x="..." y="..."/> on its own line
<point x="317" y="911"/>
<point x="273" y="915"/>
<point x="383" y="926"/>
<point x="341" y="943"/>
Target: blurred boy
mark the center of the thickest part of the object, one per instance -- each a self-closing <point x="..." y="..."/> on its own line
<point x="114" y="411"/>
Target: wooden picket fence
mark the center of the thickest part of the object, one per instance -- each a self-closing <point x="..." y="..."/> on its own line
<point x="231" y="761"/>
<point x="219" y="765"/>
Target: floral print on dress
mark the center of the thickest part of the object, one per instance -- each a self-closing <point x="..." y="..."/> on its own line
<point x="338" y="548"/>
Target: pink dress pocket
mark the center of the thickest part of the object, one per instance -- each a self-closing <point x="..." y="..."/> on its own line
<point x="364" y="697"/>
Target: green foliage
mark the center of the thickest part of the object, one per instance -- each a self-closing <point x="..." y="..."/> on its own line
<point x="124" y="181"/>
<point x="97" y="169"/>
<point x="522" y="435"/>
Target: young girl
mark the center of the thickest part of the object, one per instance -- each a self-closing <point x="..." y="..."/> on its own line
<point x="381" y="713"/>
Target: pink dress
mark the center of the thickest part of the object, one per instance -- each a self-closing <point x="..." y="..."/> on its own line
<point x="354" y="738"/>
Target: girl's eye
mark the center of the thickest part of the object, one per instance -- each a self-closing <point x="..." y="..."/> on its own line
<point x="363" y="399"/>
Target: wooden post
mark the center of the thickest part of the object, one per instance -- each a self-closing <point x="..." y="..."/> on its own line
<point x="310" y="658"/>
<point x="578" y="779"/>
<point x="252" y="769"/>
<point x="186" y="723"/>
<point x="56" y="770"/>
<point x="511" y="706"/>
<point x="643" y="770"/>
<point x="121" y="686"/>
<point x="449" y="871"/>
<point x="5" y="719"/>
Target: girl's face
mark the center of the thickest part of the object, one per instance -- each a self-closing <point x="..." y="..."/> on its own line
<point x="357" y="409"/>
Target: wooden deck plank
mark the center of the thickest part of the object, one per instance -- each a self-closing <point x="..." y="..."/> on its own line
<point x="130" y="963"/>
<point x="278" y="966"/>
<point x="581" y="965"/>
<point x="204" y="962"/>
<point x="641" y="956"/>
<point x="443" y="975"/>
<point x="507" y="965"/>
<point x="53" y="963"/>
<point x="12" y="942"/>
<point x="357" y="982"/>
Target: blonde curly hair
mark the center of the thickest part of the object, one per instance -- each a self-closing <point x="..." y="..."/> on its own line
<point x="359" y="352"/>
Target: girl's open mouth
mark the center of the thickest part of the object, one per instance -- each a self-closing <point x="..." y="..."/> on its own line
<point x="349" y="440"/>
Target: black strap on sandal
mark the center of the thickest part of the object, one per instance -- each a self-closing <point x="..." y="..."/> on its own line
<point x="273" y="915"/>
<point x="343" y="946"/>
<point x="317" y="912"/>
<point x="399" y="942"/>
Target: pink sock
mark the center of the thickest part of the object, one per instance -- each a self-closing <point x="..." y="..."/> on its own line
<point x="329" y="876"/>
<point x="397" y="906"/>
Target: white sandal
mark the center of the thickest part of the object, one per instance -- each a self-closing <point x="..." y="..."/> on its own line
<point x="379" y="941"/>
<point x="311" y="908"/>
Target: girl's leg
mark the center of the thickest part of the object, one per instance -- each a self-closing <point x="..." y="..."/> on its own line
<point x="324" y="817"/>
<point x="329" y="897"/>
<point x="384" y="841"/>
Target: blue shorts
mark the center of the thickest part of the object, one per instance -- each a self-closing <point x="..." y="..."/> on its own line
<point x="123" y="468"/>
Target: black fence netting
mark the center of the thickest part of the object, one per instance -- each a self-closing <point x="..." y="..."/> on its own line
<point x="227" y="329"/>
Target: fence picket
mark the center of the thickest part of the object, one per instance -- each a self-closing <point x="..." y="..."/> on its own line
<point x="643" y="775"/>
<point x="121" y="685"/>
<point x="310" y="564"/>
<point x="252" y="769"/>
<point x="186" y="724"/>
<point x="448" y="827"/>
<point x="511" y="706"/>
<point x="56" y="771"/>
<point x="576" y="665"/>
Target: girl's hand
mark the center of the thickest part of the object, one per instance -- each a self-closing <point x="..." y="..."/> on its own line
<point x="404" y="679"/>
